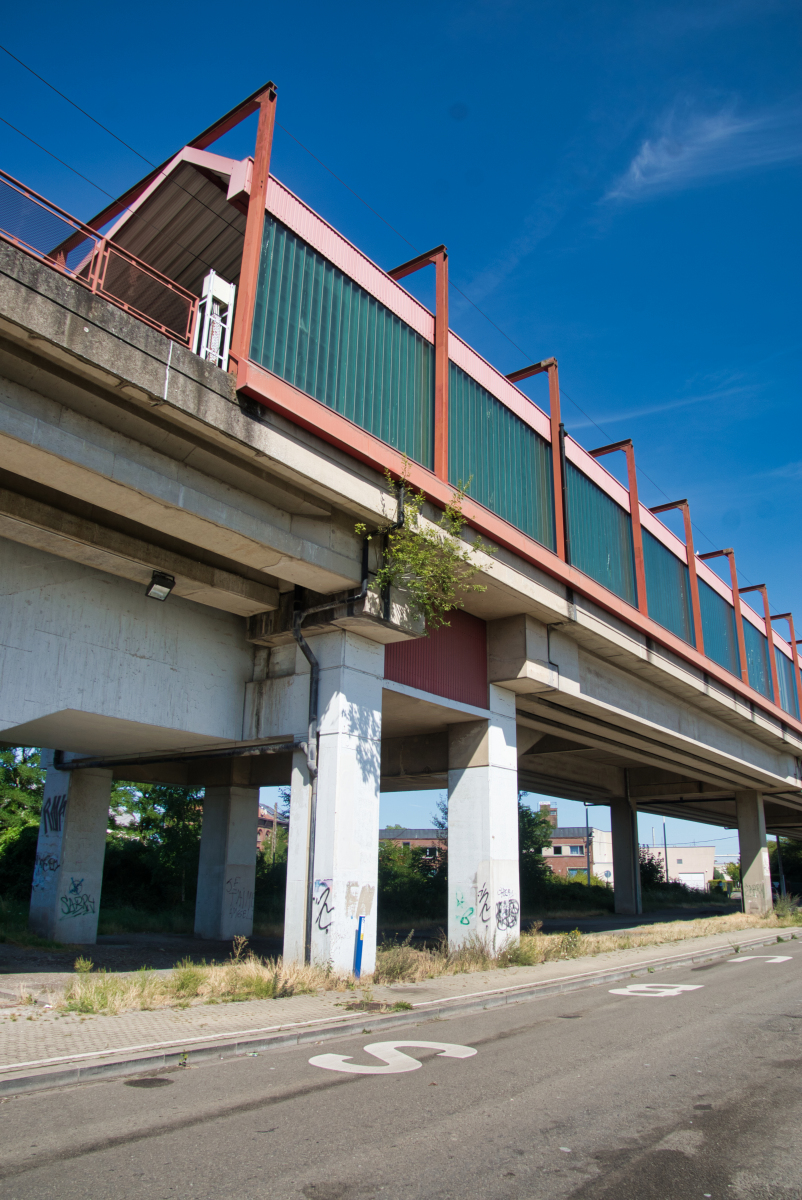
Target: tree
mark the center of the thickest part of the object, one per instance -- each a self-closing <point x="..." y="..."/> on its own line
<point x="652" y="869"/>
<point x="429" y="561"/>
<point x="734" y="872"/>
<point x="168" y="819"/>
<point x="534" y="835"/>
<point x="22" y="783"/>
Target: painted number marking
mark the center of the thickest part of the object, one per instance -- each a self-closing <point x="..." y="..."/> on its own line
<point x="656" y="989"/>
<point x="396" y="1062"/>
<point x="772" y="958"/>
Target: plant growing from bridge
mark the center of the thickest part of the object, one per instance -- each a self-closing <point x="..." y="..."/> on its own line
<point x="428" y="560"/>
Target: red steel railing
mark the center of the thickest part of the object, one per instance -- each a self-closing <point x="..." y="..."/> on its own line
<point x="50" y="234"/>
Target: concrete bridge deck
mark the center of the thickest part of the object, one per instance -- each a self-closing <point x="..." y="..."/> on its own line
<point x="123" y="453"/>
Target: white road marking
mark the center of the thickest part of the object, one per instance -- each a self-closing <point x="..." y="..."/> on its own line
<point x="766" y="958"/>
<point x="396" y="1062"/>
<point x="656" y="989"/>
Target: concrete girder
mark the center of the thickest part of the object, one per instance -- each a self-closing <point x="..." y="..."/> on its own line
<point x="67" y="536"/>
<point x="644" y="741"/>
<point x="191" y="507"/>
<point x="62" y="325"/>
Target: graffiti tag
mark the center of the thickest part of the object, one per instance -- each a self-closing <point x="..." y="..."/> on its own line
<point x="76" y="904"/>
<point x="44" y="870"/>
<point x="483" y="903"/>
<point x="321" y="906"/>
<point x="507" y="914"/>
<point x="53" y="811"/>
<point x="240" y="898"/>
<point x="464" y="918"/>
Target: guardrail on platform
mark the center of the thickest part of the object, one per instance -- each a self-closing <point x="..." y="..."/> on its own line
<point x="47" y="232"/>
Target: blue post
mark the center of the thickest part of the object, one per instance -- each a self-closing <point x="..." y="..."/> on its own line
<point x="360" y="934"/>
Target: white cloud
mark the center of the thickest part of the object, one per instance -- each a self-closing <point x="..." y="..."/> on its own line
<point x="692" y="149"/>
<point x="667" y="406"/>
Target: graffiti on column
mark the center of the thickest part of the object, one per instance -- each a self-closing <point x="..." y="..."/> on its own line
<point x="321" y="907"/>
<point x="76" y="903"/>
<point x="507" y="912"/>
<point x="240" y="898"/>
<point x="53" y="811"/>
<point x="483" y="903"/>
<point x="464" y="912"/>
<point x="44" y="870"/>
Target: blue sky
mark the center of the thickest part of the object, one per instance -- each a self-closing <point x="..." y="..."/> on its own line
<point x="618" y="184"/>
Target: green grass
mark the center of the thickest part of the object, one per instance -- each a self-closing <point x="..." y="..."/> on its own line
<point x="14" y="928"/>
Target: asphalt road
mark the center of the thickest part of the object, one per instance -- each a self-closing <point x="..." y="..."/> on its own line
<point x="591" y="1095"/>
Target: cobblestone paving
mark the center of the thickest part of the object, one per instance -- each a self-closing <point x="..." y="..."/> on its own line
<point x="29" y="1034"/>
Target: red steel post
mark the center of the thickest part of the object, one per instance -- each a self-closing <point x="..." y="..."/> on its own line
<point x="254" y="228"/>
<point x="794" y="658"/>
<point x="634" y="509"/>
<point x="761" y="587"/>
<point x="441" y="367"/>
<point x="438" y="258"/>
<point x="550" y="365"/>
<point x="696" y="608"/>
<point x="736" y="603"/>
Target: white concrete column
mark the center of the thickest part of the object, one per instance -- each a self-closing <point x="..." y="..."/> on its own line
<point x="626" y="859"/>
<point x="297" y="861"/>
<point x="227" y="867"/>
<point x="484" y="894"/>
<point x="755" y="867"/>
<point x="346" y="844"/>
<point x="67" y="877"/>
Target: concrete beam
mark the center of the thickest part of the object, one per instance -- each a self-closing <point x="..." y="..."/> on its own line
<point x="33" y="523"/>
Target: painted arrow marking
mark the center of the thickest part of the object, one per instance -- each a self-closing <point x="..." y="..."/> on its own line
<point x="766" y="958"/>
<point x="396" y="1062"/>
<point x="656" y="989"/>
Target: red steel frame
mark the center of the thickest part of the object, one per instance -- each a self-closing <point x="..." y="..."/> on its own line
<point x="696" y="609"/>
<point x="794" y="656"/>
<point x="254" y="227"/>
<point x="775" y="683"/>
<point x="274" y="392"/>
<point x="729" y="553"/>
<point x="550" y="365"/>
<point x="438" y="258"/>
<point x="303" y="410"/>
<point x="634" y="509"/>
<point x="92" y="273"/>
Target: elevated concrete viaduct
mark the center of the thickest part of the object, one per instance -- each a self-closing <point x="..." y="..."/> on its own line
<point x="124" y="453"/>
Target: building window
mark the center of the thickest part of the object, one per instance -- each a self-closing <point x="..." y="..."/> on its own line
<point x="679" y="862"/>
<point x="557" y="849"/>
<point x="577" y="849"/>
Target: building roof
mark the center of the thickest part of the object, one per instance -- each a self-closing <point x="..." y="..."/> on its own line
<point x="409" y="835"/>
<point x="572" y="831"/>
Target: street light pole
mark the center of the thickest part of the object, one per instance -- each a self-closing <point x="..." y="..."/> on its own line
<point x="665" y="849"/>
<point x="587" y="841"/>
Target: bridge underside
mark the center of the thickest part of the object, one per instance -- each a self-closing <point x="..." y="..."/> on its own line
<point x="561" y="753"/>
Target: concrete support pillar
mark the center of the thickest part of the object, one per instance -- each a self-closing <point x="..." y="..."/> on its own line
<point x="755" y="868"/>
<point x="227" y="867"/>
<point x="626" y="859"/>
<point x="297" y="861"/>
<point x="484" y="894"/>
<point x="67" y="878"/>
<point x="346" y="821"/>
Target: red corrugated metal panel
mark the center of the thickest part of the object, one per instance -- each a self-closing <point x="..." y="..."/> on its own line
<point x="450" y="662"/>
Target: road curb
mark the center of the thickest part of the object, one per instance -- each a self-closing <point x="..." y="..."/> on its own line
<point x="196" y="1051"/>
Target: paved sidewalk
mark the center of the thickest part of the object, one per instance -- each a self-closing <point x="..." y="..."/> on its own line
<point x="38" y="1045"/>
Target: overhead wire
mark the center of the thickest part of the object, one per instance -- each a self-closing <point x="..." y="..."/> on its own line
<point x="343" y="183"/>
<point x="167" y="178"/>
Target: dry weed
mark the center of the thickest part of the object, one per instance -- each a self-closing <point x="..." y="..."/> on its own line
<point x="247" y="977"/>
